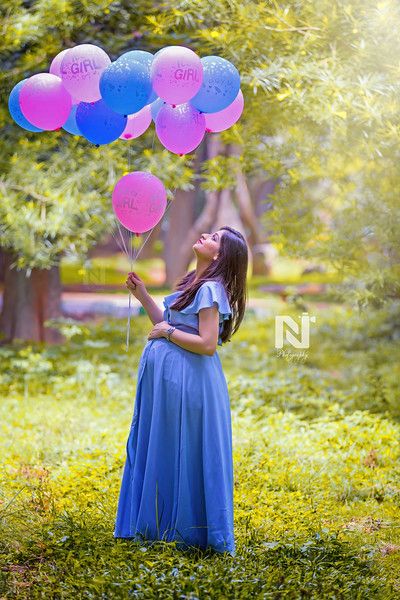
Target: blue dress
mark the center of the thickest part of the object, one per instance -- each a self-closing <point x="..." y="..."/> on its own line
<point x="177" y="482"/>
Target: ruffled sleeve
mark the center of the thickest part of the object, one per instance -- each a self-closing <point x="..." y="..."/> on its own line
<point x="209" y="294"/>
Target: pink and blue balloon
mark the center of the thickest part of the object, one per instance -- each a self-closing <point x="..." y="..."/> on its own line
<point x="15" y="109"/>
<point x="222" y="120"/>
<point x="86" y="94"/>
<point x="44" y="101"/>
<point x="137" y="124"/>
<point x="98" y="123"/>
<point x="139" y="200"/>
<point x="220" y="86"/>
<point x="125" y="85"/>
<point x="176" y="74"/>
<point x="180" y="129"/>
<point x="81" y="69"/>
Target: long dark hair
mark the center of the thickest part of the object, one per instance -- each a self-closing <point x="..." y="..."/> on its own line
<point x="230" y="268"/>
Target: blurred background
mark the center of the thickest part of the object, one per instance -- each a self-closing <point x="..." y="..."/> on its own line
<point x="310" y="175"/>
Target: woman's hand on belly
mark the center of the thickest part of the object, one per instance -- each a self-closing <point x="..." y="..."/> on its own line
<point x="205" y="343"/>
<point x="159" y="330"/>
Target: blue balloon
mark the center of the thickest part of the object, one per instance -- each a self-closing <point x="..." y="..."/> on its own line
<point x="98" y="123"/>
<point x="153" y="97"/>
<point x="141" y="56"/>
<point x="220" y="86"/>
<point x="155" y="108"/>
<point x="70" y="124"/>
<point x="125" y="85"/>
<point x="15" y="109"/>
<point x="145" y="58"/>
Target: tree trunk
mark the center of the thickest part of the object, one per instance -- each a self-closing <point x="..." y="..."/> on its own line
<point x="179" y="253"/>
<point x="28" y="302"/>
<point x="2" y="264"/>
<point x="257" y="237"/>
<point x="180" y="219"/>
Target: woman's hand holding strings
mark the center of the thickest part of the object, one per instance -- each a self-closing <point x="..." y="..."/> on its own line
<point x="136" y="286"/>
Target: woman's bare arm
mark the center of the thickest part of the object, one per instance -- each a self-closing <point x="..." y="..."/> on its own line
<point x="138" y="289"/>
<point x="155" y="314"/>
<point x="207" y="340"/>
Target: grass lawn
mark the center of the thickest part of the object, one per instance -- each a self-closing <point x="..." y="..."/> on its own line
<point x="316" y="459"/>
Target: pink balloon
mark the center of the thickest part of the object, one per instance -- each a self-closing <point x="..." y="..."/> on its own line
<point x="45" y="102"/>
<point x="55" y="69"/>
<point x="176" y="74"/>
<point x="223" y="119"/>
<point x="180" y="129"/>
<point x="137" y="124"/>
<point x="81" y="69"/>
<point x="139" y="200"/>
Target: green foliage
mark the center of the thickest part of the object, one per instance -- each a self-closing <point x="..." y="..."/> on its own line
<point x="316" y="455"/>
<point x="55" y="189"/>
<point x="321" y="118"/>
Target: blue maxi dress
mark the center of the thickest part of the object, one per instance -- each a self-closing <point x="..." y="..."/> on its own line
<point x="177" y="482"/>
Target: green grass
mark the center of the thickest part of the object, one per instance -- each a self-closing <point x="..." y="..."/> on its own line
<point x="316" y="459"/>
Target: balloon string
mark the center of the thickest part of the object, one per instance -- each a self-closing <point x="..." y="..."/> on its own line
<point x="123" y="239"/>
<point x="124" y="251"/>
<point x="128" y="325"/>
<point x="115" y="236"/>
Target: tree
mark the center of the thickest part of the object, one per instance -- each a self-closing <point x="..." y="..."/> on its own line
<point x="321" y="118"/>
<point x="55" y="189"/>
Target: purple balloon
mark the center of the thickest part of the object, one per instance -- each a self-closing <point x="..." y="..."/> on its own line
<point x="45" y="102"/>
<point x="176" y="74"/>
<point x="81" y="69"/>
<point x="227" y="117"/>
<point x="55" y="68"/>
<point x="137" y="124"/>
<point x="180" y="129"/>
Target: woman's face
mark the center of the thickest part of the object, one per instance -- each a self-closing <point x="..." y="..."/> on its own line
<point x="207" y="246"/>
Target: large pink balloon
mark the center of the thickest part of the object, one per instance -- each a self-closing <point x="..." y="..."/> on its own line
<point x="81" y="69"/>
<point x="180" y="129"/>
<point x="55" y="69"/>
<point x="137" y="124"/>
<point x="176" y="74"/>
<point x="45" y="102"/>
<point x="227" y="117"/>
<point x="139" y="200"/>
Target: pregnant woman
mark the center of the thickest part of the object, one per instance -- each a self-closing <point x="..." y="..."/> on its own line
<point x="177" y="483"/>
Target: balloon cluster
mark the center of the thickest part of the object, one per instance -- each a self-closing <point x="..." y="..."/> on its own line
<point x="86" y="94"/>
